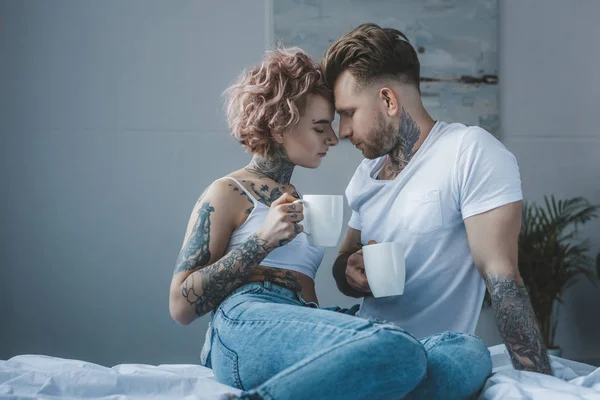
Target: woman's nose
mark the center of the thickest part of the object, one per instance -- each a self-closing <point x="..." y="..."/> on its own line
<point x="332" y="139"/>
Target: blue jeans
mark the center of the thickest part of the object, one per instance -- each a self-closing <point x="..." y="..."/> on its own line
<point x="269" y="342"/>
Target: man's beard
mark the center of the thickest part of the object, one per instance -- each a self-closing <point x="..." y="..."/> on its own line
<point x="382" y="139"/>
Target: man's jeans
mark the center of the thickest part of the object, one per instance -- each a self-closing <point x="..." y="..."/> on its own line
<point x="268" y="341"/>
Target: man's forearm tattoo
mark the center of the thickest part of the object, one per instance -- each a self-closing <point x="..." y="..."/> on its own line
<point x="517" y="324"/>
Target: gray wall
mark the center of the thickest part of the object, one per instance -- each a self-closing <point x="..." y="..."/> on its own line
<point x="550" y="95"/>
<point x="111" y="126"/>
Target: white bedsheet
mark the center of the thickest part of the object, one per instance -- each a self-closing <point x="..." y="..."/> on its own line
<point x="571" y="380"/>
<point x="43" y="377"/>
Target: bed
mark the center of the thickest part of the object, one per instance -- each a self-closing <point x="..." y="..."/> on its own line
<point x="44" y="377"/>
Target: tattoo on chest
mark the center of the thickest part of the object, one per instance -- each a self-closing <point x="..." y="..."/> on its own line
<point x="196" y="251"/>
<point x="266" y="194"/>
<point x="263" y="192"/>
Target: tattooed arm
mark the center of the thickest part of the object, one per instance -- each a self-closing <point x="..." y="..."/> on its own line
<point x="205" y="288"/>
<point x="493" y="239"/>
<point x="203" y="275"/>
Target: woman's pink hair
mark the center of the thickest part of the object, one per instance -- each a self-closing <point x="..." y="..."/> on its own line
<point x="269" y="98"/>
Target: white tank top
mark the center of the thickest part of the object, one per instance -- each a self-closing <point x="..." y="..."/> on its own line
<point x="297" y="255"/>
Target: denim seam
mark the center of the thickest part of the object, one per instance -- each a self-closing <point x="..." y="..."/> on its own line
<point x="235" y="295"/>
<point x="309" y="360"/>
<point x="233" y="357"/>
<point x="458" y="334"/>
<point x="251" y="322"/>
<point x="371" y="323"/>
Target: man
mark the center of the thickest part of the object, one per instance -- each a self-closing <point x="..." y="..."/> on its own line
<point x="450" y="193"/>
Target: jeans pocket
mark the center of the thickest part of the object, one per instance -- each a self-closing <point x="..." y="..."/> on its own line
<point x="224" y="362"/>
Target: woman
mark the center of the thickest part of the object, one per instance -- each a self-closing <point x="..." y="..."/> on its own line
<point x="246" y="259"/>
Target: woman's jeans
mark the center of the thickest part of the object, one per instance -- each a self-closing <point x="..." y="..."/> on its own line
<point x="269" y="342"/>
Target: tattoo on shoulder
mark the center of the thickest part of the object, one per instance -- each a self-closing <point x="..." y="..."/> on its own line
<point x="242" y="193"/>
<point x="196" y="251"/>
<point x="518" y="325"/>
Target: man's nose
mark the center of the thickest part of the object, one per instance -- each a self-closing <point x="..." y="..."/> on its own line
<point x="345" y="130"/>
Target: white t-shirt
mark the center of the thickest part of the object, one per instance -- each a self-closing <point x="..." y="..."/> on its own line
<point x="457" y="172"/>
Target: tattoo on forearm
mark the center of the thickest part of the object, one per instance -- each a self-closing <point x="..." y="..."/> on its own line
<point x="408" y="135"/>
<point x="205" y="289"/>
<point x="518" y="325"/>
<point x="196" y="252"/>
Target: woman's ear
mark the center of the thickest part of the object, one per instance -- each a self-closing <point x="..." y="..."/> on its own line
<point x="278" y="137"/>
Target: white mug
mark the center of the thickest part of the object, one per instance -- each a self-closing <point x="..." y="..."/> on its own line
<point x="385" y="268"/>
<point x="323" y="219"/>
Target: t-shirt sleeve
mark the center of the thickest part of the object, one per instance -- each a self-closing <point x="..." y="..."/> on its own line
<point x="487" y="173"/>
<point x="354" y="221"/>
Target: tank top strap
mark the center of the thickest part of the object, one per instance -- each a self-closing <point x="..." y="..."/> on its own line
<point x="243" y="188"/>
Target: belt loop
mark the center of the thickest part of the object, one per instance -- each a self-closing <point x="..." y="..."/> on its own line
<point x="267" y="284"/>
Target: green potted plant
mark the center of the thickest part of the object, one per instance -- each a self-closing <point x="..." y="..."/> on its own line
<point x="552" y="257"/>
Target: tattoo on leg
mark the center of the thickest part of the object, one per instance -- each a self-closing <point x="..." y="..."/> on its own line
<point x="196" y="251"/>
<point x="207" y="288"/>
<point x="518" y="325"/>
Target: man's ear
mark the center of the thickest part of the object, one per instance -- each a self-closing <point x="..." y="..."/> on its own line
<point x="390" y="101"/>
